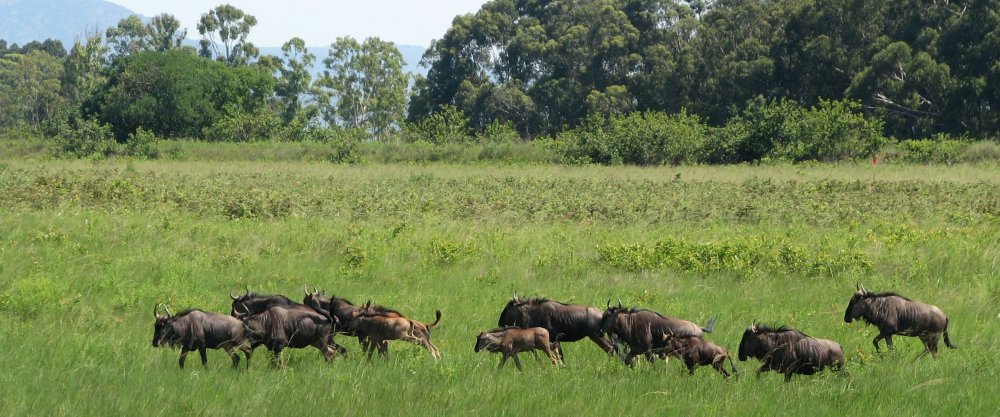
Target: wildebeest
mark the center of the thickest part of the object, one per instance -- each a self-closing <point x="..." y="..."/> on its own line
<point x="280" y="327"/>
<point x="570" y="322"/>
<point x="381" y="328"/>
<point x="789" y="351"/>
<point x="894" y="314"/>
<point x="251" y="303"/>
<point x="641" y="329"/>
<point x="509" y="341"/>
<point x="199" y="330"/>
<point x="696" y="351"/>
<point x="341" y="308"/>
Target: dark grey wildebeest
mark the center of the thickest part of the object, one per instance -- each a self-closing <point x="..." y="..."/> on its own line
<point x="641" y="330"/>
<point x="251" y="303"/>
<point x="278" y="328"/>
<point x="199" y="330"/>
<point x="566" y="322"/>
<point x="789" y="351"/>
<point x="894" y="314"/>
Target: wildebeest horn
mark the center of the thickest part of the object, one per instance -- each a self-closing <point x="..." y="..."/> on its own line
<point x="233" y="296"/>
<point x="514" y="297"/>
<point x="609" y="304"/>
<point x="156" y="313"/>
<point x="315" y="291"/>
<point x="305" y="290"/>
<point x="167" y="310"/>
<point x="620" y="302"/>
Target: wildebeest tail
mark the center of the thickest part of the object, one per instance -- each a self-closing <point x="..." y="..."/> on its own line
<point x="709" y="326"/>
<point x="437" y="318"/>
<point x="732" y="364"/>
<point x="947" y="341"/>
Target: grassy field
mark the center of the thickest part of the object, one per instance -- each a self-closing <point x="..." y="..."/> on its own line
<point x="87" y="248"/>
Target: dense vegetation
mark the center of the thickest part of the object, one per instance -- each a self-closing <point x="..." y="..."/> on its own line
<point x="614" y="82"/>
<point x="89" y="247"/>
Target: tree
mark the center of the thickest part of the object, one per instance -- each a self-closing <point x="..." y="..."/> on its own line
<point x="83" y="69"/>
<point x="165" y="33"/>
<point x="176" y="94"/>
<point x="130" y="36"/>
<point x="294" y="81"/>
<point x="364" y="86"/>
<point x="229" y="26"/>
<point x="29" y="88"/>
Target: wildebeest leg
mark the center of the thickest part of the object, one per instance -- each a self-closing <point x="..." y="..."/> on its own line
<point x="888" y="341"/>
<point x="629" y="358"/>
<point x="517" y="362"/>
<point x="184" y="353"/>
<point x="763" y="368"/>
<point x="204" y="356"/>
<point x="691" y="365"/>
<point x="503" y="360"/>
<point x="719" y="363"/>
<point x="875" y="341"/>
<point x="248" y="352"/>
<point x="601" y="341"/>
<point x="235" y="356"/>
<point x="788" y="374"/>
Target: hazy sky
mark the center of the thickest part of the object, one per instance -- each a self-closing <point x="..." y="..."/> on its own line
<point x="319" y="23"/>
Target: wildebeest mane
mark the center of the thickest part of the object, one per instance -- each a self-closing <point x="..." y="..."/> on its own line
<point x="869" y="295"/>
<point x="766" y="328"/>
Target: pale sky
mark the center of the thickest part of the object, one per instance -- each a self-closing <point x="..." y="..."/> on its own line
<point x="319" y="23"/>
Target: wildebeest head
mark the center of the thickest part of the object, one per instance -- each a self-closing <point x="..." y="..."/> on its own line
<point x="316" y="299"/>
<point x="487" y="341"/>
<point x="750" y="344"/>
<point x="513" y="313"/>
<point x="855" y="308"/>
<point x="252" y="303"/>
<point x="610" y="317"/>
<point x="163" y="329"/>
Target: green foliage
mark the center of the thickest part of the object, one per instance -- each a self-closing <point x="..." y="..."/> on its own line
<point x="364" y="86"/>
<point x="83" y="138"/>
<point x="445" y="126"/>
<point x="639" y="139"/>
<point x="229" y="26"/>
<point x="240" y="126"/>
<point x="923" y="70"/>
<point x="831" y="131"/>
<point x="940" y="150"/>
<point x="29" y="89"/>
<point x="343" y="144"/>
<point x="175" y="94"/>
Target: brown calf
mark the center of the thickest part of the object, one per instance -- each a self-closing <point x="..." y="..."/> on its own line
<point x="511" y="340"/>
<point x="696" y="351"/>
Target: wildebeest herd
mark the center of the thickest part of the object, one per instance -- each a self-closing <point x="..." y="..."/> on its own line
<point x="531" y="324"/>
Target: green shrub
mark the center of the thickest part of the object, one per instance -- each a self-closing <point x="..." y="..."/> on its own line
<point x="240" y="126"/>
<point x="937" y="150"/>
<point x="344" y="143"/>
<point x="831" y="131"/>
<point x="647" y="138"/>
<point x="447" y="125"/>
<point x="82" y="138"/>
<point x="142" y="144"/>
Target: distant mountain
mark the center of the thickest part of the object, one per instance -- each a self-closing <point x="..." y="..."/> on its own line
<point x="411" y="54"/>
<point x="23" y="21"/>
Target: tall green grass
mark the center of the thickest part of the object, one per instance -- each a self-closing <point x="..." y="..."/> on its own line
<point x="87" y="249"/>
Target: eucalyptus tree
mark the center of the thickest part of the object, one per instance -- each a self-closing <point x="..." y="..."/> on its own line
<point x="364" y="86"/>
<point x="224" y="32"/>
